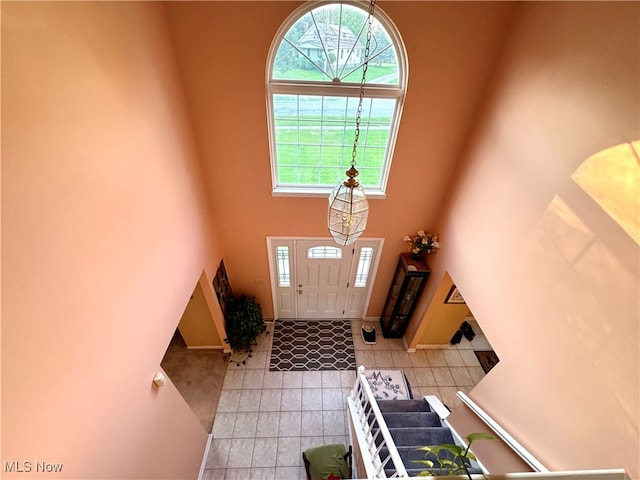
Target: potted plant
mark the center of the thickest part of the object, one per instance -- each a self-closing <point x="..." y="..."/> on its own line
<point x="243" y="323"/>
<point x="449" y="458"/>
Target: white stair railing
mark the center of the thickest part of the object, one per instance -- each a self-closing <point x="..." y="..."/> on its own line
<point x="371" y="441"/>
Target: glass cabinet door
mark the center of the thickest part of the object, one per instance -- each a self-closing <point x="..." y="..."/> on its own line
<point x="410" y="294"/>
<point x="408" y="281"/>
<point x="394" y="291"/>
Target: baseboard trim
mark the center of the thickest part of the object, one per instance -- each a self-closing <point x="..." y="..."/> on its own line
<point x="206" y="347"/>
<point x="432" y="346"/>
<point x="203" y="464"/>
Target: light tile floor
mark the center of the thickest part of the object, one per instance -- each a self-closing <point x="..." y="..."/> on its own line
<point x="265" y="420"/>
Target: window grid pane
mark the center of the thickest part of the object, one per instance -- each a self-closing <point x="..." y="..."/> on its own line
<point x="364" y="263"/>
<point x="284" y="275"/>
<point x="324" y="252"/>
<point x="328" y="42"/>
<point x="314" y="137"/>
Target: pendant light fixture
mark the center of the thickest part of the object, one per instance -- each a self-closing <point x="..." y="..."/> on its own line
<point x="348" y="206"/>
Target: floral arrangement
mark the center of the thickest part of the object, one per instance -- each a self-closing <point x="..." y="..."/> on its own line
<point x="422" y="243"/>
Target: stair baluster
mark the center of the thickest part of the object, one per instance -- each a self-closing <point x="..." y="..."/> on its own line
<point x="372" y="433"/>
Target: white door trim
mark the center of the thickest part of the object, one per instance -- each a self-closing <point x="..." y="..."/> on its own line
<point x="276" y="291"/>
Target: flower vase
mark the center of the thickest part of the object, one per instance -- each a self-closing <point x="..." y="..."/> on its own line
<point x="416" y="256"/>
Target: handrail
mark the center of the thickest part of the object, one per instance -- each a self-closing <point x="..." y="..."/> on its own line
<point x="443" y="412"/>
<point x="362" y="404"/>
<point x="522" y="452"/>
<point x="605" y="474"/>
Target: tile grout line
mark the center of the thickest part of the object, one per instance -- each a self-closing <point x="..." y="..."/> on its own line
<point x="395" y="360"/>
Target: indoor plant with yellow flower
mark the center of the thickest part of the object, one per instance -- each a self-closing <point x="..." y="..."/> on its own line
<point x="422" y="243"/>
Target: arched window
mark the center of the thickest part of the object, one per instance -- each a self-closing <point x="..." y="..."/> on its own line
<point x="314" y="71"/>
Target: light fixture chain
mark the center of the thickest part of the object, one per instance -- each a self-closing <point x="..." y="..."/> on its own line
<point x="348" y="206"/>
<point x="365" y="66"/>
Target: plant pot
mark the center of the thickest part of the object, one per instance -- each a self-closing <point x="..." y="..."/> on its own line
<point x="239" y="357"/>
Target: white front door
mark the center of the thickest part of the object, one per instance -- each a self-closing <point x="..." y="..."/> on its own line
<point x="322" y="274"/>
<point x="316" y="278"/>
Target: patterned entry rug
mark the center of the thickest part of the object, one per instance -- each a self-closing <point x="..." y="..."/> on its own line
<point x="308" y="345"/>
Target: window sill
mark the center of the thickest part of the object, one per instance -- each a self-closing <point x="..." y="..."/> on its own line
<point x="321" y="192"/>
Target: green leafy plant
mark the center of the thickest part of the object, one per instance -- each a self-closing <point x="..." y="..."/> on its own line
<point x="244" y="323"/>
<point x="453" y="459"/>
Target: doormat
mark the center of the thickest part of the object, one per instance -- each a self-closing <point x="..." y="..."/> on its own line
<point x="311" y="345"/>
<point x="488" y="359"/>
<point x="389" y="384"/>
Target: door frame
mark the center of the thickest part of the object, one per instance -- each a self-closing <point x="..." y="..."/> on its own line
<point x="273" y="242"/>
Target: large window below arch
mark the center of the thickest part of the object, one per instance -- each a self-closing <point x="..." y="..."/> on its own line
<point x="314" y="73"/>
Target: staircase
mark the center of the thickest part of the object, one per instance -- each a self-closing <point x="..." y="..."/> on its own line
<point x="389" y="432"/>
<point x="412" y="425"/>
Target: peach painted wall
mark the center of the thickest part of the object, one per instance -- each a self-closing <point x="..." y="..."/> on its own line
<point x="441" y="320"/>
<point x="549" y="276"/>
<point x="105" y="233"/>
<point x="196" y="325"/>
<point x="222" y="49"/>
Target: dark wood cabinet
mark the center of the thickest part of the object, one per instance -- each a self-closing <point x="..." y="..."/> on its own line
<point x="408" y="282"/>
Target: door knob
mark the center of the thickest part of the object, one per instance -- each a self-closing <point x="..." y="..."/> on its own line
<point x="299" y="285"/>
<point x="300" y="292"/>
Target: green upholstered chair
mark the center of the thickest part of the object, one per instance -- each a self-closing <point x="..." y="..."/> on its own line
<point x="321" y="462"/>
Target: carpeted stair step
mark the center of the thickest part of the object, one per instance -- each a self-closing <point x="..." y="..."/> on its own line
<point x="415" y="472"/>
<point x="416" y="436"/>
<point x="407" y="454"/>
<point x="415" y="405"/>
<point x="410" y="419"/>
